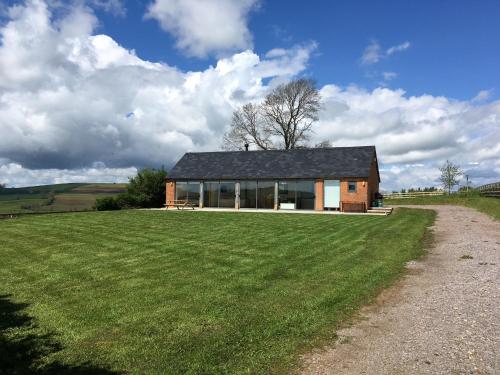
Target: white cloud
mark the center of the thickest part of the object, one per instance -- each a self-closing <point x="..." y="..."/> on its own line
<point x="398" y="48"/>
<point x="77" y="98"/>
<point x="482" y="96"/>
<point x="409" y="176"/>
<point x="407" y="130"/>
<point x="388" y="76"/>
<point x="373" y="52"/>
<point x="114" y="7"/>
<point x="204" y="27"/>
<point x="14" y="175"/>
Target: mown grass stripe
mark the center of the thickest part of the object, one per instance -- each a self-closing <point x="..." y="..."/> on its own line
<point x="168" y="292"/>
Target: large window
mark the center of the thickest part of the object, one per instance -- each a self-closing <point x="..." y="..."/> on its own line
<point x="211" y="194"/>
<point x="188" y="191"/>
<point x="226" y="194"/>
<point x="300" y="193"/>
<point x="218" y="194"/>
<point x="265" y="194"/>
<point x="248" y="194"/>
<point x="181" y="192"/>
<point x="305" y="195"/>
<point x="286" y="192"/>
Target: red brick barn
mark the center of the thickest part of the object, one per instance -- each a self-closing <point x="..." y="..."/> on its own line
<point x="336" y="178"/>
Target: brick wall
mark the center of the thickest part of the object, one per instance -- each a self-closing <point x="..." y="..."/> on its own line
<point x="373" y="184"/>
<point x="319" y="192"/>
<point x="365" y="189"/>
<point x="170" y="191"/>
<point x="359" y="196"/>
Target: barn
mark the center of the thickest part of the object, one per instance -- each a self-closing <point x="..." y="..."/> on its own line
<point x="335" y="178"/>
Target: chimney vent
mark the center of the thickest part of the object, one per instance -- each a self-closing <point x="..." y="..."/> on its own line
<point x="246" y="146"/>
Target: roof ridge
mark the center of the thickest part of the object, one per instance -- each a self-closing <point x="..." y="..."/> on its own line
<point x="280" y="150"/>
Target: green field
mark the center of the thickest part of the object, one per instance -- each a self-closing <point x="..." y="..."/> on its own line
<point x="190" y="292"/>
<point x="488" y="205"/>
<point x="55" y="198"/>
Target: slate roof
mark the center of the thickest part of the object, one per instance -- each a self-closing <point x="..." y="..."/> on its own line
<point x="333" y="162"/>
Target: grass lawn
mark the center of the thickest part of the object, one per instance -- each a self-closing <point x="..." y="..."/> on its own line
<point x="190" y="292"/>
<point x="488" y="205"/>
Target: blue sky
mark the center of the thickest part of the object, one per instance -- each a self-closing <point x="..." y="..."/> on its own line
<point x="454" y="44"/>
<point x="92" y="90"/>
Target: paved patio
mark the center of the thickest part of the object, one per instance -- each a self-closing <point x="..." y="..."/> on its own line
<point x="254" y="210"/>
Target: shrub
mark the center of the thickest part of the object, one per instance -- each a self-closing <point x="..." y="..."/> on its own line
<point x="106" y="204"/>
<point x="126" y="200"/>
<point x="148" y="188"/>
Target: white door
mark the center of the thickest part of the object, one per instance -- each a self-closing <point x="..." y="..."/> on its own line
<point x="332" y="194"/>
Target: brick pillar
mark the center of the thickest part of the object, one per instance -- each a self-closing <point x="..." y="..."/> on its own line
<point x="319" y="192"/>
<point x="170" y="192"/>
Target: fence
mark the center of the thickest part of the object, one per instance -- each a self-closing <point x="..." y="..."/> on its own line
<point x="490" y="190"/>
<point x="413" y="194"/>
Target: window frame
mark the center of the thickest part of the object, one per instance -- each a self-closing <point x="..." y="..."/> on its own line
<point x="349" y="186"/>
<point x="299" y="193"/>
<point x="186" y="185"/>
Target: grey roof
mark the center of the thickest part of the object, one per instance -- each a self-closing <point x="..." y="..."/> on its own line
<point x="334" y="162"/>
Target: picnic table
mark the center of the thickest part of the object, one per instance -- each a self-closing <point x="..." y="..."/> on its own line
<point x="179" y="204"/>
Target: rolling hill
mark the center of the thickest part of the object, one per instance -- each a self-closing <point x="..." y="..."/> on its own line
<point x="55" y="198"/>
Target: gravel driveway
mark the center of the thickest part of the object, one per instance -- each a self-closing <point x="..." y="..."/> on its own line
<point x="443" y="317"/>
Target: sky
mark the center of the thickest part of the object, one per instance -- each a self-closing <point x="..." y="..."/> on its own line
<point x="93" y="90"/>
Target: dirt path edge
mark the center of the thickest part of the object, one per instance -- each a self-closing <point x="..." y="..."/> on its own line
<point x="442" y="317"/>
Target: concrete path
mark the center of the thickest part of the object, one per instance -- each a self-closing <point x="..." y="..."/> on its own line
<point x="443" y="317"/>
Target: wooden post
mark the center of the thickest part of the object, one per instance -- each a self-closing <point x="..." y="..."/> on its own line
<point x="276" y="192"/>
<point x="201" y="194"/>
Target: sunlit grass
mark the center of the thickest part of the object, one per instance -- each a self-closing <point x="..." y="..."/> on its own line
<point x="488" y="205"/>
<point x="198" y="292"/>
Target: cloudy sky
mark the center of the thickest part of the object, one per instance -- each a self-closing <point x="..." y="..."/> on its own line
<point x="91" y="90"/>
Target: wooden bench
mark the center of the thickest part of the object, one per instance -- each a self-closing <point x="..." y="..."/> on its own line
<point x="179" y="204"/>
<point x="352" y="206"/>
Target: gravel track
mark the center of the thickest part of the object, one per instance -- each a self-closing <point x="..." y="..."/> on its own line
<point x="443" y="317"/>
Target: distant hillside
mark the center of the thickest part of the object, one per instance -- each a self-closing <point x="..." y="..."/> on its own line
<point x="42" y="189"/>
<point x="58" y="197"/>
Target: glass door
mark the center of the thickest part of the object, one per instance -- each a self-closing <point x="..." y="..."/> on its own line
<point x="211" y="194"/>
<point x="227" y="194"/>
<point x="248" y="194"/>
<point x="265" y="194"/>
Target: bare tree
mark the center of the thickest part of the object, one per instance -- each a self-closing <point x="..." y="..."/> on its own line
<point x="283" y="121"/>
<point x="247" y="128"/>
<point x="449" y="175"/>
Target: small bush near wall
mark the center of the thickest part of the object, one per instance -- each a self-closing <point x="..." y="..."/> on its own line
<point x="146" y="190"/>
<point x="106" y="204"/>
